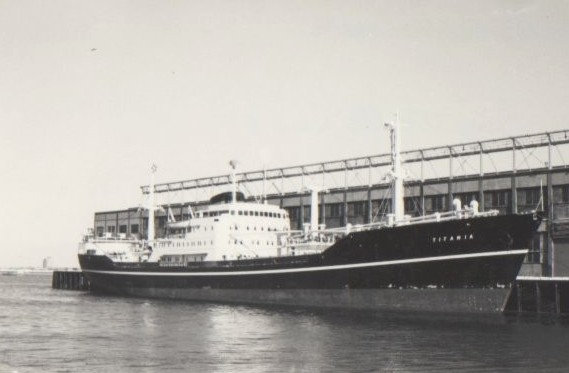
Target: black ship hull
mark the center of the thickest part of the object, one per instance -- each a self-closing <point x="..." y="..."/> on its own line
<point x="463" y="265"/>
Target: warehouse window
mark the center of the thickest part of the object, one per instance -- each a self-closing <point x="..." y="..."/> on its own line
<point x="294" y="212"/>
<point x="565" y="193"/>
<point x="533" y="255"/>
<point x="307" y="210"/>
<point x="333" y="210"/>
<point x="356" y="208"/>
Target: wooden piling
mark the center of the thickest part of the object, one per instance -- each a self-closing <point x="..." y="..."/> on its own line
<point x="538" y="298"/>
<point x="557" y="299"/>
<point x="69" y="280"/>
<point x="519" y="296"/>
<point x="539" y="295"/>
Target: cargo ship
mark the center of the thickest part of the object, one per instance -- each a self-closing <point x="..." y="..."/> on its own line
<point x="235" y="251"/>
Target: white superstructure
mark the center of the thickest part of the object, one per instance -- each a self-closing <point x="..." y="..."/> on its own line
<point x="225" y="231"/>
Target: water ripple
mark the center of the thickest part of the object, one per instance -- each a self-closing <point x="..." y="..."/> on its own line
<point x="66" y="331"/>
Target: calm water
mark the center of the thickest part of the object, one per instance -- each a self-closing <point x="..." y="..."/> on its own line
<point x="65" y="331"/>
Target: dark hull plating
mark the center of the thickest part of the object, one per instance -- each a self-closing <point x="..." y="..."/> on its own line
<point x="459" y="265"/>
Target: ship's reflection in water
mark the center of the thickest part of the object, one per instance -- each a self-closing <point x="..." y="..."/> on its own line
<point x="277" y="339"/>
<point x="53" y="330"/>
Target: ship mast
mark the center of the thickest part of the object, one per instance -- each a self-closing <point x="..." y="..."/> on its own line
<point x="151" y="206"/>
<point x="397" y="207"/>
<point x="233" y="164"/>
<point x="314" y="210"/>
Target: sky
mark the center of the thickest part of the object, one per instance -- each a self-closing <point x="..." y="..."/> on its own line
<point x="94" y="92"/>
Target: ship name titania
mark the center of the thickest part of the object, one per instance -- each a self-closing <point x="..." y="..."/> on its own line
<point x="453" y="237"/>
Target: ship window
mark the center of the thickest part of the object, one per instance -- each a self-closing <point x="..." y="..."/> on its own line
<point x="246" y="213"/>
<point x="251" y="213"/>
<point x="236" y="242"/>
<point x="236" y="228"/>
<point x="247" y="227"/>
<point x="256" y="213"/>
<point x="232" y="212"/>
<point x="240" y="212"/>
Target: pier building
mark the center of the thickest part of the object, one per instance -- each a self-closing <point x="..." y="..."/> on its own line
<point x="513" y="175"/>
